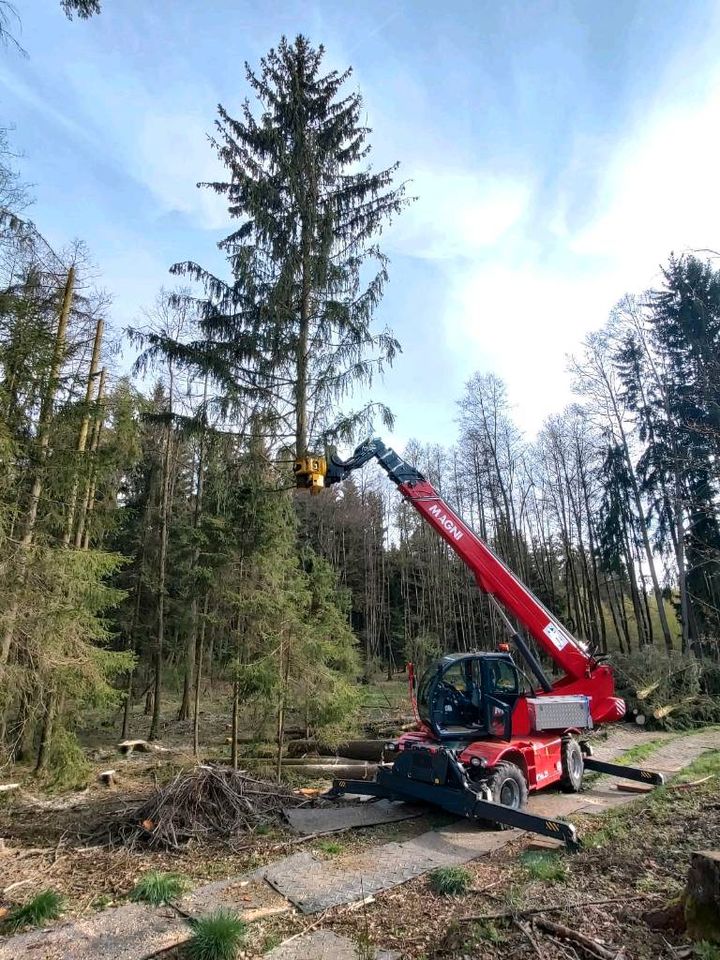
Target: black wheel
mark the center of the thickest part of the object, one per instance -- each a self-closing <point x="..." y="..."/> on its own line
<point x="573" y="766"/>
<point x="508" y="786"/>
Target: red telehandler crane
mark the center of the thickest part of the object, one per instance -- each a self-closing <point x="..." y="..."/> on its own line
<point x="488" y="735"/>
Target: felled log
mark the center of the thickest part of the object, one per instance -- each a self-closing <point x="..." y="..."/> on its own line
<point x="353" y="749"/>
<point x="646" y="691"/>
<point x="661" y="712"/>
<point x="702" y="896"/>
<point x="129" y="746"/>
<point x="355" y="771"/>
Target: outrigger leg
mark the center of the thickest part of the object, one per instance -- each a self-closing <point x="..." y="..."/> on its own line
<point x="463" y="801"/>
<point x="627" y="773"/>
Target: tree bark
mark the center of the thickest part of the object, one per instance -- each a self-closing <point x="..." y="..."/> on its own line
<point x="84" y="428"/>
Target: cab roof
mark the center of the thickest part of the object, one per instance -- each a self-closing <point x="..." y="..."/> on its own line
<point x="474" y="655"/>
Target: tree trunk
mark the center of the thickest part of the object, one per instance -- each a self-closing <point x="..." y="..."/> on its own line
<point x="190" y="650"/>
<point x="162" y="571"/>
<point x="84" y="428"/>
<point x="198" y="679"/>
<point x="46" y="733"/>
<point x="87" y="503"/>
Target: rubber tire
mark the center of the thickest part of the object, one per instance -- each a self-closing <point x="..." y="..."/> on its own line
<point x="508" y="771"/>
<point x="573" y="766"/>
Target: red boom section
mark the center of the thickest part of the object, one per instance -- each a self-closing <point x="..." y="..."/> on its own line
<point x="498" y="580"/>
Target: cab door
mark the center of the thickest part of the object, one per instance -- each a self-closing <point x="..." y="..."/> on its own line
<point x="500" y="691"/>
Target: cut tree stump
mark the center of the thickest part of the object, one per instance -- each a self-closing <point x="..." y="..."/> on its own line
<point x="107" y="777"/>
<point x="702" y="896"/>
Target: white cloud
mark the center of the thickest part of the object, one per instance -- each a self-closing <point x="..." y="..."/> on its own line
<point x="520" y="312"/>
<point x="660" y="192"/>
<point x="171" y="155"/>
<point x="457" y="214"/>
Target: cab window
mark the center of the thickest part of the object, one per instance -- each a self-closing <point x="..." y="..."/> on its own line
<point x="455" y="675"/>
<point x="502" y="677"/>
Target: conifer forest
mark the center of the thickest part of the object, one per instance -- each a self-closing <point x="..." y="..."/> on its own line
<point x="151" y="541"/>
<point x="256" y="700"/>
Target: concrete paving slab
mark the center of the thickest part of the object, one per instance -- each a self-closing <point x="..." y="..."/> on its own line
<point x="249" y="896"/>
<point x="324" y="945"/>
<point x="316" y="945"/>
<point x="313" y="884"/>
<point x="331" y="819"/>
<point x="131" y="932"/>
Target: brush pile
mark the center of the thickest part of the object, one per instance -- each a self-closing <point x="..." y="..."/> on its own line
<point x="207" y="802"/>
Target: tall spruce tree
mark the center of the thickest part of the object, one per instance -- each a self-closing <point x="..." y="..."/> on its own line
<point x="292" y="331"/>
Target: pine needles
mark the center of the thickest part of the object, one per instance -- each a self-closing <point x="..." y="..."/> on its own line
<point x="205" y="802"/>
<point x="158" y="888"/>
<point x="46" y="905"/>
<point x="217" y="936"/>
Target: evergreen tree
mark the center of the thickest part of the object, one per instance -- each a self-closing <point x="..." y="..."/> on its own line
<point x="292" y="331"/>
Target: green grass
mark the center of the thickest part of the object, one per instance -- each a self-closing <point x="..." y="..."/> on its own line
<point x="270" y="941"/>
<point x="706" y="765"/>
<point x="157" y="888"/>
<point x="46" y="905"/>
<point x="548" y="867"/>
<point x="450" y="881"/>
<point x="217" y="936"/>
<point x="331" y="847"/>
<point x="707" y="951"/>
<point x="641" y="752"/>
<point x="617" y="825"/>
<point x="386" y="694"/>
<point x="488" y="932"/>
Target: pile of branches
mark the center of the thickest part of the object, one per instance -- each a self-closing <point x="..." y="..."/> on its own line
<point x="668" y="691"/>
<point x="207" y="802"/>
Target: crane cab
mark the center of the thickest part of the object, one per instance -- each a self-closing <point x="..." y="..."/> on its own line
<point x="468" y="696"/>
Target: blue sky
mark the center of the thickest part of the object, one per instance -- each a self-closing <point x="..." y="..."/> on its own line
<point x="559" y="151"/>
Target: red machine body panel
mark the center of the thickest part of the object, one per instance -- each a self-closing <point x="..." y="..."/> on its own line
<point x="539" y="756"/>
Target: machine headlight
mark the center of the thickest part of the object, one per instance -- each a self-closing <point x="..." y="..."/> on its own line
<point x="477" y="762"/>
<point x="391" y="746"/>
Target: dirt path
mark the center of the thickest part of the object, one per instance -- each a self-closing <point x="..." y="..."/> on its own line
<point x="132" y="932"/>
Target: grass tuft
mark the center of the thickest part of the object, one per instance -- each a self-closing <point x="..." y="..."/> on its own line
<point x="641" y="751"/>
<point x="217" y="936"/>
<point x="331" y="847"/>
<point x="450" y="881"/>
<point x="704" y="950"/>
<point x="158" y="888"/>
<point x="46" y="905"/>
<point x="548" y="867"/>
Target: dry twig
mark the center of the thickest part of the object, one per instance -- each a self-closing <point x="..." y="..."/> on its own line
<point x="594" y="947"/>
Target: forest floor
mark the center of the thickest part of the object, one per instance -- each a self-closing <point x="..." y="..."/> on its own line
<point x="636" y="857"/>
